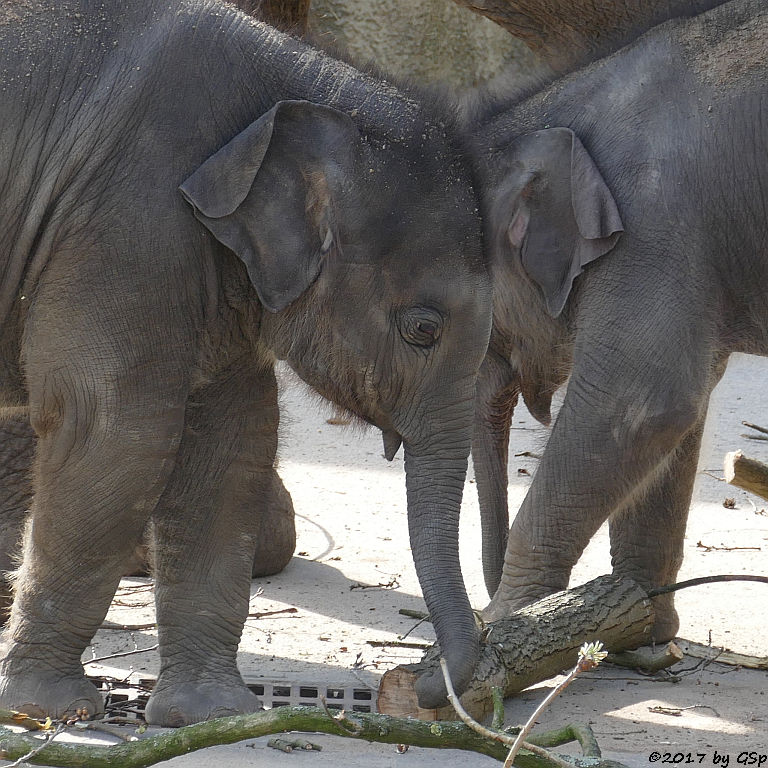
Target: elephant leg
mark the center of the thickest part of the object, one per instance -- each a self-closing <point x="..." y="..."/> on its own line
<point x="627" y="410"/>
<point x="276" y="541"/>
<point x="497" y="393"/>
<point x="17" y="451"/>
<point x="647" y="534"/>
<point x="100" y="466"/>
<point x="205" y="534"/>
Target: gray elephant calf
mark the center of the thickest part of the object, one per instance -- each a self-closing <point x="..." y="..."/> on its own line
<point x="319" y="215"/>
<point x="646" y="172"/>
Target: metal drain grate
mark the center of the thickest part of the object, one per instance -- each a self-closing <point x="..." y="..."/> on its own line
<point x="282" y="694"/>
<point x="129" y="701"/>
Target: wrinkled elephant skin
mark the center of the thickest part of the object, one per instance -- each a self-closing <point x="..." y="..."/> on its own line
<point x="187" y="196"/>
<point x="624" y="208"/>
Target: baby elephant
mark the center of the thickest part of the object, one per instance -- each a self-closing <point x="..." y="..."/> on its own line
<point x="275" y="541"/>
<point x="187" y="196"/>
<point x="626" y="219"/>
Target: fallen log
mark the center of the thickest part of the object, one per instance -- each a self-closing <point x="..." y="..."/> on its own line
<point x="749" y="474"/>
<point x="531" y="645"/>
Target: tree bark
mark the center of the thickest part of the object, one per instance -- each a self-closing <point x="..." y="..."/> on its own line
<point x="531" y="645"/>
<point x="746" y="473"/>
<point x="287" y="15"/>
<point x="567" y="34"/>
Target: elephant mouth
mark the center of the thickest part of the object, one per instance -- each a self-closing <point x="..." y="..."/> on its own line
<point x="392" y="443"/>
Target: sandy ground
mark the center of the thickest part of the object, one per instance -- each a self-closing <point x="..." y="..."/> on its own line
<point x="353" y="572"/>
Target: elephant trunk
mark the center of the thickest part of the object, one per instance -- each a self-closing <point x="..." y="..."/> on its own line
<point x="434" y="484"/>
<point x="497" y="395"/>
<point x="489" y="455"/>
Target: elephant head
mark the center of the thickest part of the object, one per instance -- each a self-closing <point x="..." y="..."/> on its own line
<point x="365" y="252"/>
<point x="548" y="214"/>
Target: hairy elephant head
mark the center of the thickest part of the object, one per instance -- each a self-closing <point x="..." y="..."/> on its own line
<point x="548" y="214"/>
<point x="365" y="250"/>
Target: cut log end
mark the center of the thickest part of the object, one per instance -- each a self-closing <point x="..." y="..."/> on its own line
<point x="749" y="474"/>
<point x="531" y="645"/>
<point x="399" y="694"/>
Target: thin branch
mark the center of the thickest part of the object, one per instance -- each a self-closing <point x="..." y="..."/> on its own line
<point x="590" y="655"/>
<point x="122" y="653"/>
<point x="706" y="580"/>
<point x="49" y="737"/>
<point x="464" y="717"/>
<point x="128" y="627"/>
<point x="495" y="735"/>
<point x="755" y="427"/>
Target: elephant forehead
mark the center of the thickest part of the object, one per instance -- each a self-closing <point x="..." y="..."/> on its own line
<point x="417" y="279"/>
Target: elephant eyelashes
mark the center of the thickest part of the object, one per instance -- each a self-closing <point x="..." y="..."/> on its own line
<point x="421" y="326"/>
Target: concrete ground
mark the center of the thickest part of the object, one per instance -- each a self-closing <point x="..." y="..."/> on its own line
<point x="352" y="573"/>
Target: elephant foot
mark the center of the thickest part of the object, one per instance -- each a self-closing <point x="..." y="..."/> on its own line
<point x="51" y="695"/>
<point x="516" y="592"/>
<point x="666" y="622"/>
<point x="175" y="705"/>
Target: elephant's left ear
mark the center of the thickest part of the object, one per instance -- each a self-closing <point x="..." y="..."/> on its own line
<point x="268" y="194"/>
<point x="557" y="211"/>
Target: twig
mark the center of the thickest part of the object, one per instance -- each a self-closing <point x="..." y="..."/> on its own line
<point x="412" y="629"/>
<point x="464" y="717"/>
<point x="263" y="614"/>
<point x="122" y="653"/>
<point x="398" y="644"/>
<point x="495" y="735"/>
<point x="128" y="627"/>
<point x="590" y="655"/>
<point x="707" y="580"/>
<point x="341" y="718"/>
<point x="712" y="548"/>
<point x="49" y="737"/>
<point x="755" y="427"/>
<point x="678" y="711"/>
<point x="709" y="654"/>
<point x="414" y="614"/>
<point x="133" y="588"/>
<point x="393" y="583"/>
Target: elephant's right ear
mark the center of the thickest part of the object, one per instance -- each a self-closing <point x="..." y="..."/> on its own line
<point x="268" y="195"/>
<point x="556" y="211"/>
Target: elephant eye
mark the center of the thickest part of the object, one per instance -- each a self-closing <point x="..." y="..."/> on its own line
<point x="421" y="326"/>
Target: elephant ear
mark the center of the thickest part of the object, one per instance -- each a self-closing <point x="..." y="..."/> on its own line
<point x="268" y="195"/>
<point x="563" y="215"/>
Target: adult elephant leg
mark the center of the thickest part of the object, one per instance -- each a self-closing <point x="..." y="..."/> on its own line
<point x="276" y="541"/>
<point x="206" y="531"/>
<point x="17" y="450"/>
<point x="497" y="393"/>
<point x="647" y="533"/>
<point x="99" y="469"/>
<point x="621" y="421"/>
